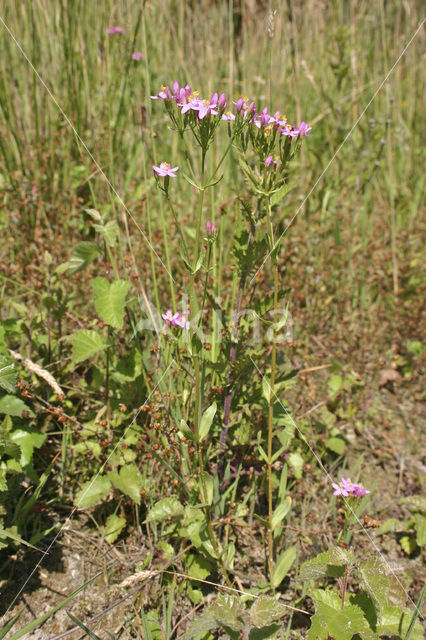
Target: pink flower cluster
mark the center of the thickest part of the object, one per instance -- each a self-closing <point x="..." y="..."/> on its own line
<point x="188" y="100"/>
<point x="175" y="319"/>
<point x="348" y="488"/>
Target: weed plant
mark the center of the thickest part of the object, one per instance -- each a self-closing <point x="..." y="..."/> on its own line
<point x="173" y="257"/>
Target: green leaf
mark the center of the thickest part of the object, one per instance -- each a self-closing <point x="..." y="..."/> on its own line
<point x="228" y="610"/>
<point x="165" y="509"/>
<point x="321" y="566"/>
<point x="266" y="610"/>
<point x="336" y="444"/>
<point x="414" y="503"/>
<point x="335" y="383"/>
<point x="200" y="625"/>
<point x="110" y="300"/>
<point x="198" y="567"/>
<point x="7" y="627"/>
<point x="330" y="620"/>
<point x="13" y="406"/>
<point x="85" y="344"/>
<point x="186" y="431"/>
<point x="284" y="562"/>
<point x="27" y="441"/>
<point x="374" y="580"/>
<point x="208" y="485"/>
<point x="129" y="481"/>
<point x="81" y="256"/>
<point x="296" y="461"/>
<point x="108" y="231"/>
<point x="408" y="545"/>
<point x="280" y="513"/>
<point x="82" y="626"/>
<point x="113" y="527"/>
<point x="206" y="421"/>
<point x="8" y="374"/>
<point x="396" y="622"/>
<point x="420" y="527"/>
<point x="92" y="491"/>
<point x="281" y="193"/>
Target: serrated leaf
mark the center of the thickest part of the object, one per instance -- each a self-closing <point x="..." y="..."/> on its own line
<point x="414" y="503"/>
<point x="129" y="481"/>
<point x="198" y="567"/>
<point x="27" y="441"/>
<point x="85" y="344"/>
<point x="110" y="300"/>
<point x="206" y="421"/>
<point x="266" y="610"/>
<point x="13" y="406"/>
<point x="283" y="565"/>
<point x="228" y="610"/>
<point x="330" y="620"/>
<point x="92" y="491"/>
<point x="113" y="527"/>
<point x="8" y="374"/>
<point x="81" y="256"/>
<point x="165" y="509"/>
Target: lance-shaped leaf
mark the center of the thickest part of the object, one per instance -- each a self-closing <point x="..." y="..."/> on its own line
<point x="110" y="300"/>
<point x="284" y="562"/>
<point x="206" y="421"/>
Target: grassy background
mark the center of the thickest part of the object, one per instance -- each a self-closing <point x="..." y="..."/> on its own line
<point x="353" y="253"/>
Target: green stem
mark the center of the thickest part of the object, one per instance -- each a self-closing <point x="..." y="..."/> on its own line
<point x="272" y="394"/>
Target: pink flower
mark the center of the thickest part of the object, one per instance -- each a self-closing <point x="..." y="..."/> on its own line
<point x="228" y="116"/>
<point x="210" y="228"/>
<point x="303" y="129"/>
<point x="165" y="169"/>
<point x="347" y="488"/>
<point x="272" y="160"/>
<point x="113" y="30"/>
<point x="175" y="319"/>
<point x="138" y="55"/>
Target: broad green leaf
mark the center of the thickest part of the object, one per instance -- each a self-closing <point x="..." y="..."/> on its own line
<point x="13" y="406"/>
<point x="110" y="300"/>
<point x="266" y="610"/>
<point x="374" y="580"/>
<point x="335" y="384"/>
<point x="206" y="421"/>
<point x="81" y="256"/>
<point x="113" y="527"/>
<point x="409" y="545"/>
<point x="8" y="374"/>
<point x="281" y="193"/>
<point x="229" y="610"/>
<point x="396" y="621"/>
<point x="85" y="344"/>
<point x="330" y="620"/>
<point x="129" y="481"/>
<point x="284" y="562"/>
<point x="27" y="442"/>
<point x="280" y="513"/>
<point x="321" y="566"/>
<point x="336" y="444"/>
<point x="198" y="567"/>
<point x="165" y="509"/>
<point x="92" y="491"/>
<point x="200" y="625"/>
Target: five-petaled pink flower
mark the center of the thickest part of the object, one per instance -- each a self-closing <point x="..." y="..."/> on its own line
<point x="113" y="30"/>
<point x="348" y="488"/>
<point x="165" y="169"/>
<point x="303" y="129"/>
<point x="137" y="55"/>
<point x="175" y="319"/>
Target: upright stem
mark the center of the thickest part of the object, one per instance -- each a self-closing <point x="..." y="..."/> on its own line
<point x="272" y="393"/>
